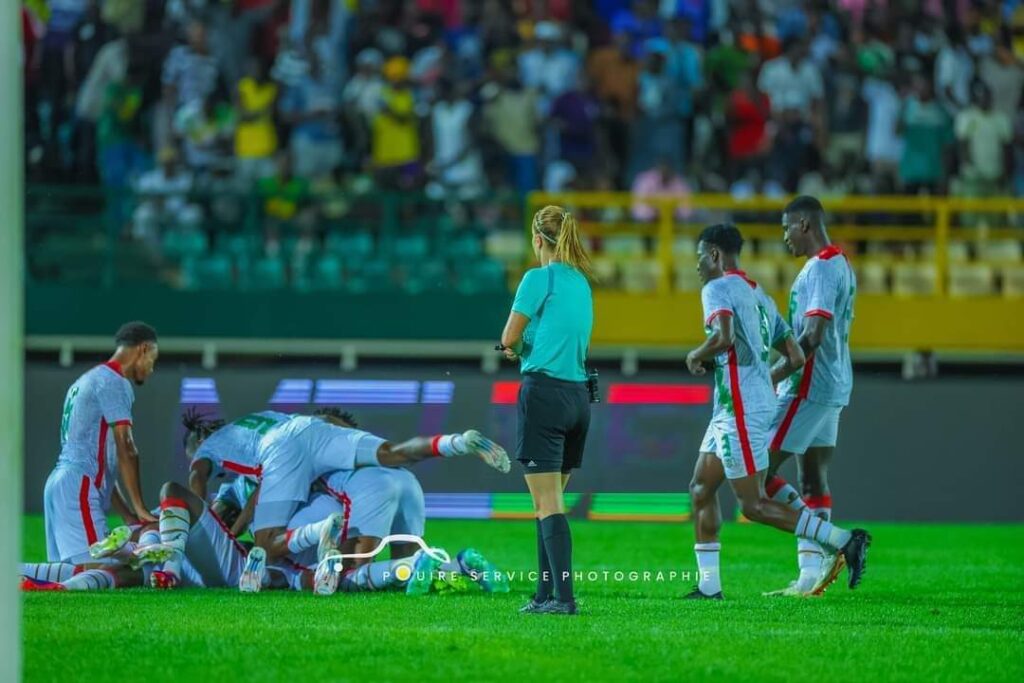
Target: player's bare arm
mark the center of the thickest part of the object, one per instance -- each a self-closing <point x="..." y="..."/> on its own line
<point x="813" y="333"/>
<point x="121" y="507"/>
<point x="199" y="476"/>
<point x="792" y="359"/>
<point x="720" y="339"/>
<point x="128" y="464"/>
<point x="512" y="336"/>
<point x="244" y="519"/>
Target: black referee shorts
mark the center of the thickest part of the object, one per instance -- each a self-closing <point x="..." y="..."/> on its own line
<point x="554" y="416"/>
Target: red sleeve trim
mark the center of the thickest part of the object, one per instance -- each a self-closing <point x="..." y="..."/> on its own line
<point x="122" y="422"/>
<point x="434" y="446"/>
<point x="819" y="312"/>
<point x="715" y="314"/>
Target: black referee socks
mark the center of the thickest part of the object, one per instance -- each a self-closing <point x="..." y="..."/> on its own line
<point x="545" y="586"/>
<point x="558" y="545"/>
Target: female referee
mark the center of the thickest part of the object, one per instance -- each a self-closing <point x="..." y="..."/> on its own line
<point x="548" y="330"/>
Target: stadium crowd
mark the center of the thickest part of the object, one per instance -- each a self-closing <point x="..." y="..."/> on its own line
<point x="301" y="106"/>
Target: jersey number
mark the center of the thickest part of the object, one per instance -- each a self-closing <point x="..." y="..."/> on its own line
<point x="65" y="420"/>
<point x="257" y="423"/>
<point x="766" y="333"/>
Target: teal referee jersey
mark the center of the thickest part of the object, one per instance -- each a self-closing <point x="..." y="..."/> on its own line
<point x="558" y="301"/>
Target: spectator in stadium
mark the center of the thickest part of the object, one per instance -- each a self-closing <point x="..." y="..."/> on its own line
<point x="548" y="66"/>
<point x="1003" y="73"/>
<point x="205" y="127"/>
<point x="163" y="193"/>
<point x="614" y="74"/>
<point x="456" y="170"/>
<point x="984" y="135"/>
<point x="255" y="98"/>
<point x="396" y="138"/>
<point x="747" y="114"/>
<point x="310" y="109"/>
<point x="927" y="131"/>
<point x="510" y="120"/>
<point x="573" y="117"/>
<point x="361" y="99"/>
<point x="847" y="118"/>
<point x="190" y="72"/>
<point x="683" y="61"/>
<point x="954" y="71"/>
<point x="658" y="131"/>
<point x="282" y="196"/>
<point x="883" y="148"/>
<point x="661" y="182"/>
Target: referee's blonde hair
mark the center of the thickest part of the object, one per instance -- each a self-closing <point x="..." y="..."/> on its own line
<point x="559" y="228"/>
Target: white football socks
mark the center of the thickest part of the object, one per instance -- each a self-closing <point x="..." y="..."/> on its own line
<point x="47" y="571"/>
<point x="709" y="580"/>
<point x="449" y="445"/>
<point x="814" y="528"/>
<point x="175" y="523"/>
<point x="91" y="580"/>
<point x="306" y="536"/>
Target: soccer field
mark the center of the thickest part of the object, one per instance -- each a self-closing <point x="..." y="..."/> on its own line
<point x="939" y="602"/>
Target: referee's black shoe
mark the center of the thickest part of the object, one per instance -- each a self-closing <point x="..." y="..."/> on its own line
<point x="855" y="552"/>
<point x="695" y="594"/>
<point x="553" y="606"/>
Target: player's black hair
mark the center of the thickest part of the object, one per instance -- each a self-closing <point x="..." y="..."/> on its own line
<point x="338" y="414"/>
<point x="198" y="427"/>
<point x="134" y="333"/>
<point x="725" y="236"/>
<point x="808" y="206"/>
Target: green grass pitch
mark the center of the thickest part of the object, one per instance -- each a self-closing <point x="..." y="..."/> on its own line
<point x="937" y="603"/>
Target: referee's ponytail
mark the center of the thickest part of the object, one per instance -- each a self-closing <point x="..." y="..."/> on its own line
<point x="558" y="227"/>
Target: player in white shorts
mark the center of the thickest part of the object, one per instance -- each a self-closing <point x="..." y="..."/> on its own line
<point x="297" y="452"/>
<point x="811" y="398"/>
<point x="738" y="343"/>
<point x="96" y="445"/>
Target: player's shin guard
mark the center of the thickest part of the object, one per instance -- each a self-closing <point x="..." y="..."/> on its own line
<point x="175" y="523"/>
<point x="47" y="571"/>
<point x="814" y="528"/>
<point x="91" y="580"/>
<point x="778" y="490"/>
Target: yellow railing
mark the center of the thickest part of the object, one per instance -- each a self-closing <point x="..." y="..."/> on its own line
<point x="933" y="319"/>
<point x="933" y="218"/>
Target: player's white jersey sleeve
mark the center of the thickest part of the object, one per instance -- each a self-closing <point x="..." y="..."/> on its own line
<point x="234" y="447"/>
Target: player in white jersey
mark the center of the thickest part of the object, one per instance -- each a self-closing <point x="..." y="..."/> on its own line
<point x="811" y="399"/>
<point x="736" y="447"/>
<point x="96" y="421"/>
<point x="297" y="452"/>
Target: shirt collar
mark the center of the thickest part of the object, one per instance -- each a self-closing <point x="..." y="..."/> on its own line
<point x="742" y="274"/>
<point x="115" y="366"/>
<point x="828" y="252"/>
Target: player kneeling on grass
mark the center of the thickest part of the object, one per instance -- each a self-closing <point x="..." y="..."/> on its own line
<point x="376" y="503"/>
<point x="297" y="452"/>
<point x="190" y="529"/>
<point x="736" y="444"/>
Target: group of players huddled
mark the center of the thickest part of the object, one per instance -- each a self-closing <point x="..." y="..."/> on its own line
<point x="321" y="497"/>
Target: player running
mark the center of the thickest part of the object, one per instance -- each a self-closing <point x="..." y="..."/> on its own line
<point x="810" y="399"/>
<point x="736" y="445"/>
<point x="97" y="422"/>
